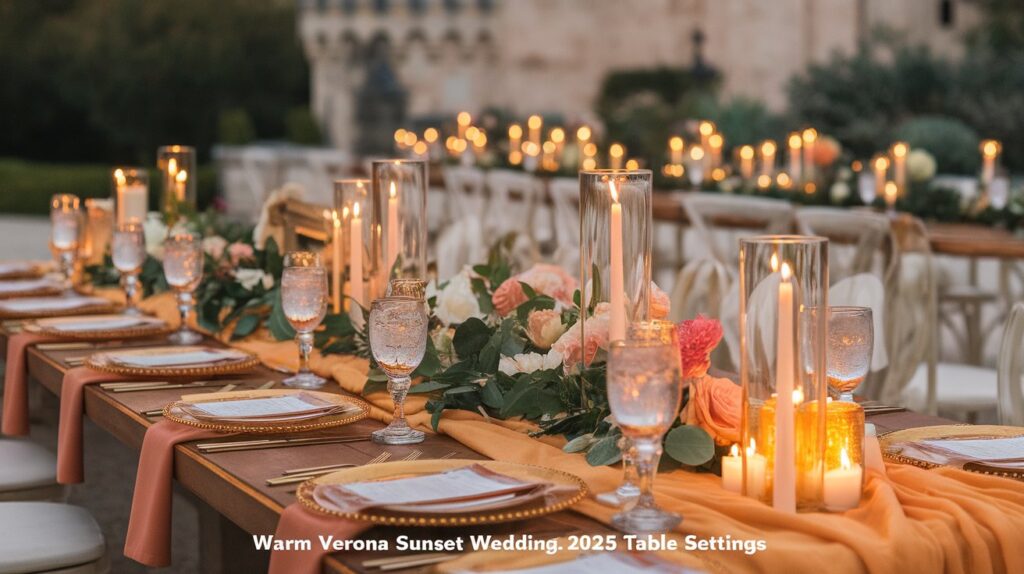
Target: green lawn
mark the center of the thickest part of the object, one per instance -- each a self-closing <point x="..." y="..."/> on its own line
<point x="26" y="187"/>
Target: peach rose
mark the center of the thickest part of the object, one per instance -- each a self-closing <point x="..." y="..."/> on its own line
<point x="826" y="151"/>
<point x="545" y="279"/>
<point x="239" y="251"/>
<point x="544" y="327"/>
<point x="660" y="305"/>
<point x="508" y="296"/>
<point x="572" y="349"/>
<point x="714" y="406"/>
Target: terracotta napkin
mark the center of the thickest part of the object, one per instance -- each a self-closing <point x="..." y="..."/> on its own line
<point x="149" y="526"/>
<point x="299" y="523"/>
<point x="15" y="421"/>
<point x="69" y="427"/>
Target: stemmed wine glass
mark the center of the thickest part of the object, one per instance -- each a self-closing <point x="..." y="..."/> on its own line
<point x="183" y="267"/>
<point x="304" y="300"/>
<point x="644" y="392"/>
<point x="129" y="253"/>
<point x="851" y="341"/>
<point x="398" y="340"/>
<point x="65" y="222"/>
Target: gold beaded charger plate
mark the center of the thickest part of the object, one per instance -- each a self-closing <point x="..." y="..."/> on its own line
<point x="21" y="270"/>
<point x="42" y="307"/>
<point x="350" y="410"/>
<point x="16" y="288"/>
<point x="99" y="327"/>
<point x="132" y="362"/>
<point x="895" y="448"/>
<point x="569" y="490"/>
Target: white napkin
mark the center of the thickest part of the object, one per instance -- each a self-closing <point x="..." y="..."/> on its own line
<point x="31" y="304"/>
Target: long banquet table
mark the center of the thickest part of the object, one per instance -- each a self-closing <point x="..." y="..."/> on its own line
<point x="233" y="483"/>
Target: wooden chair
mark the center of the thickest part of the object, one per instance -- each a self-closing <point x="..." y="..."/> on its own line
<point x="461" y="240"/>
<point x="305" y="226"/>
<point x="565" y="222"/>
<point x="1010" y="387"/>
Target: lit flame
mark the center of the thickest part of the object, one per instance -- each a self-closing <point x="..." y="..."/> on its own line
<point x="798" y="396"/>
<point x="119" y="176"/>
<point x="172" y="166"/>
<point x="775" y="262"/>
<point x="697" y="153"/>
<point x="334" y="215"/>
<point x="735" y="450"/>
<point x="464" y="118"/>
<point x="534" y="122"/>
<point x="344" y="212"/>
<point x="990" y="148"/>
<point x="676" y="143"/>
<point x="715" y="140"/>
<point x="616" y="150"/>
<point x="355" y="211"/>
<point x="558" y="135"/>
<point x="615" y="192"/>
<point x="768" y="147"/>
<point x="810" y="134"/>
<point x="181" y="177"/>
<point x="393" y="192"/>
<point x="881" y="163"/>
<point x="707" y="128"/>
<point x="844" y="460"/>
<point x="430" y="134"/>
<point x="899" y="149"/>
<point x="515" y="131"/>
<point x="785" y="271"/>
<point x="752" y="448"/>
<point x="583" y="133"/>
<point x="794" y="141"/>
<point x="747" y="152"/>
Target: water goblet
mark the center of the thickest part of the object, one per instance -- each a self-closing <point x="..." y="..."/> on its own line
<point x="65" y="223"/>
<point x="398" y="340"/>
<point x="851" y="339"/>
<point x="644" y="392"/>
<point x="304" y="300"/>
<point x="183" y="268"/>
<point x="128" y="251"/>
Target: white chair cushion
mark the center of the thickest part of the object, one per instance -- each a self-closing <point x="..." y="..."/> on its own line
<point x="25" y="465"/>
<point x="41" y="536"/>
<point x="958" y="389"/>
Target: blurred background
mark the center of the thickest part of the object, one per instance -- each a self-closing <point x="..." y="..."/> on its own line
<point x="314" y="86"/>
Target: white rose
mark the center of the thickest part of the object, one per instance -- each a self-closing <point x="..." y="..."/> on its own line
<point x="529" y="362"/>
<point x="214" y="246"/>
<point x="457" y="302"/>
<point x="839" y="192"/>
<point x="155" y="232"/>
<point x="250" y="278"/>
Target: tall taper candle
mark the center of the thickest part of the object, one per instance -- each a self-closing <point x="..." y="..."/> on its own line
<point x="784" y="482"/>
<point x="393" y="235"/>
<point x="617" y="298"/>
<point x="336" y="262"/>
<point x="355" y="279"/>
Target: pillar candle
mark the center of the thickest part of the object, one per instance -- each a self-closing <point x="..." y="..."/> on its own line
<point x="534" y="123"/>
<point x="180" y="181"/>
<point x="899" y="164"/>
<point x="717" y="142"/>
<point x="732" y="470"/>
<point x="336" y="262"/>
<point x="746" y="162"/>
<point x="768" y="158"/>
<point x="393" y="235"/>
<point x="617" y="325"/>
<point x="843" y="485"/>
<point x="757" y="471"/>
<point x="356" y="256"/>
<point x="675" y="150"/>
<point x="891" y="193"/>
<point x="810" y="136"/>
<point x="881" y="167"/>
<point x="989" y="153"/>
<point x="795" y="166"/>
<point x="784" y="483"/>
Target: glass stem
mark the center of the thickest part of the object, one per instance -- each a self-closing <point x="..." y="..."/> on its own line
<point x="305" y="340"/>
<point x="846" y="396"/>
<point x="629" y="464"/>
<point x="184" y="304"/>
<point x="130" y="284"/>
<point x="648" y="452"/>
<point x="399" y="387"/>
<point x="67" y="267"/>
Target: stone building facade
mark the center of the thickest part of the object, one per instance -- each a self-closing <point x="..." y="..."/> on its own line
<point x="400" y="59"/>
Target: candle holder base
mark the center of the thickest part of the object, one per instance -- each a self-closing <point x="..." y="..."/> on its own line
<point x="305" y="381"/>
<point x="646" y="521"/>
<point x="397" y="434"/>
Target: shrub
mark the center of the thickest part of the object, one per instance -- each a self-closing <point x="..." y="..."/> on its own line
<point x="301" y="128"/>
<point x="234" y="127"/>
<point x="953" y="143"/>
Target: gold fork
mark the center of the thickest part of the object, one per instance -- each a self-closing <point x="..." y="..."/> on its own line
<point x="414" y="455"/>
<point x="314" y="472"/>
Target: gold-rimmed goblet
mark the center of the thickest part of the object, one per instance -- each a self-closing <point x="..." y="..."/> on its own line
<point x="304" y="300"/>
<point x="128" y="252"/>
<point x="398" y="340"/>
<point x="65" y="227"/>
<point x="851" y="341"/>
<point x="183" y="268"/>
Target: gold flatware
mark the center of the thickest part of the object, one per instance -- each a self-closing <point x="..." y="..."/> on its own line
<point x="414" y="455"/>
<point x="197" y="385"/>
<point x="126" y="384"/>
<point x="449" y="455"/>
<point x="64" y="346"/>
<point x="409" y="560"/>
<point x="379" y="458"/>
<point x="294" y="477"/>
<point x="279" y="443"/>
<point x="266" y="385"/>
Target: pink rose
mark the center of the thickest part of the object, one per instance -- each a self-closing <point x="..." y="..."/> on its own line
<point x="239" y="251"/>
<point x="660" y="305"/>
<point x="715" y="406"/>
<point x="544" y="279"/>
<point x="544" y="327"/>
<point x="573" y="350"/>
<point x="214" y="246"/>
<point x="697" y="339"/>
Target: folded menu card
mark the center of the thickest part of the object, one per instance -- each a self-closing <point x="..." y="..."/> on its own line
<point x="468" y="488"/>
<point x="175" y="357"/>
<point x="33" y="304"/>
<point x="991" y="449"/>
<point x="99" y="323"/>
<point x="602" y="562"/>
<point x="263" y="407"/>
<point x="26" y="285"/>
<point x="16" y="268"/>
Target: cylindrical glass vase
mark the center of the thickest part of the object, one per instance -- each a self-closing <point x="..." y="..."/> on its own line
<point x="177" y="165"/>
<point x="352" y="206"/>
<point x="399" y="232"/>
<point x="615" y="250"/>
<point x="783" y="298"/>
<point x="99" y="229"/>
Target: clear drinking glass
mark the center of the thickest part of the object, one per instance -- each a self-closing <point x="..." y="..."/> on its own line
<point x="183" y="267"/>
<point x="129" y="253"/>
<point x="644" y="392"/>
<point x="304" y="300"/>
<point x="398" y="340"/>
<point x="65" y="224"/>
<point x="851" y="340"/>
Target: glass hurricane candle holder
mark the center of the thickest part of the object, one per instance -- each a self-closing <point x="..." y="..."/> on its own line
<point x="65" y="229"/>
<point x="399" y="223"/>
<point x="183" y="268"/>
<point x="128" y="253"/>
<point x="615" y="247"/>
<point x="99" y="226"/>
<point x="304" y="301"/>
<point x="352" y="206"/>
<point x="783" y="298"/>
<point x="177" y="165"/>
<point x="130" y="192"/>
<point x="398" y="341"/>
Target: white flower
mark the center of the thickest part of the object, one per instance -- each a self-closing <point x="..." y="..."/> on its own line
<point x="214" y="246"/>
<point x="529" y="362"/>
<point x="250" y="278"/>
<point x="457" y="302"/>
<point x="839" y="192"/>
<point x="155" y="232"/>
<point x="920" y="165"/>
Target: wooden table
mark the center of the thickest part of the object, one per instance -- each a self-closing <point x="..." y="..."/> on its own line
<point x="232" y="483"/>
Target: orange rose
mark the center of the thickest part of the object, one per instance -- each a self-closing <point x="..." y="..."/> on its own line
<point x="714" y="406"/>
<point x="508" y="296"/>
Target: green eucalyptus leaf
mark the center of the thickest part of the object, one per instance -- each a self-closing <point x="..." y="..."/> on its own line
<point x="431" y="362"/>
<point x="427" y="387"/>
<point x="371" y="386"/>
<point x="462" y="390"/>
<point x="580" y="443"/>
<point x="278" y="323"/>
<point x="690" y="445"/>
<point x="604" y="452"/>
<point x="470" y="338"/>
<point x="492" y="395"/>
<point x="245" y="326"/>
<point x="521" y="400"/>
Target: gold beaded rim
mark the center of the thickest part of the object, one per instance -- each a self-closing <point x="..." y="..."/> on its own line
<point x="397" y="518"/>
<point x="104" y="334"/>
<point x="890" y="450"/>
<point x="172" y="412"/>
<point x="102" y="362"/>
